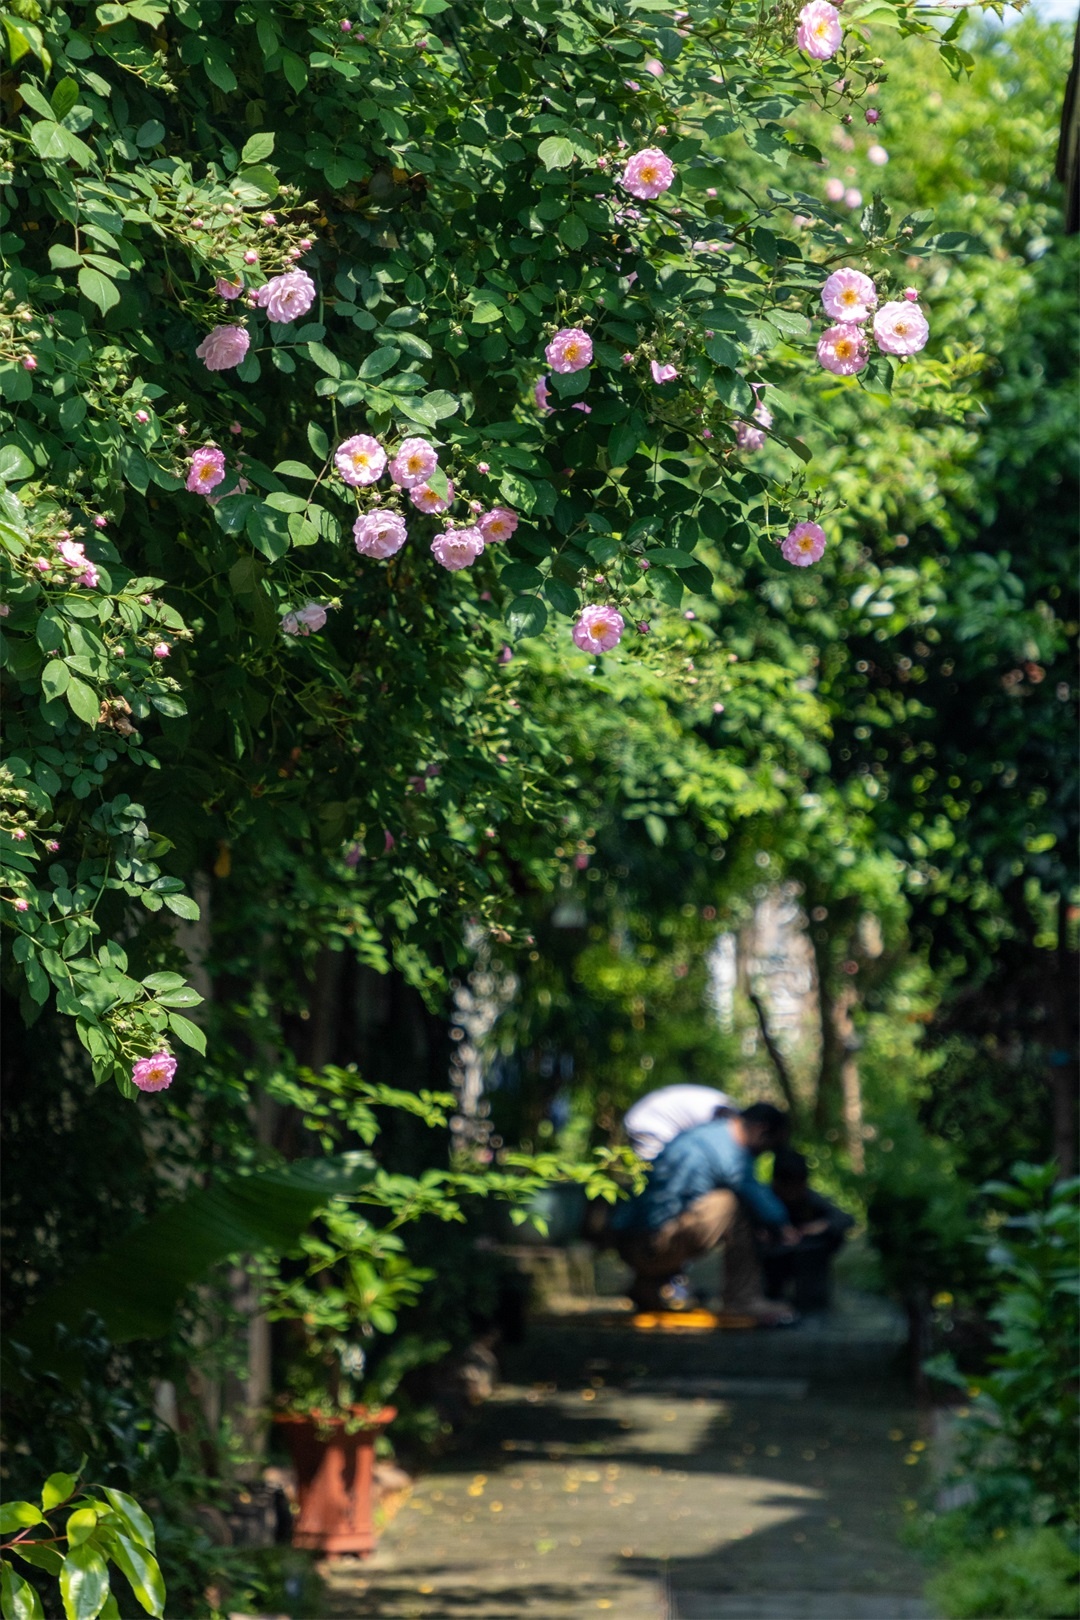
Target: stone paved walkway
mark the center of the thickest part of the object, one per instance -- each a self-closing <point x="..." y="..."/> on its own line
<point x="687" y="1493"/>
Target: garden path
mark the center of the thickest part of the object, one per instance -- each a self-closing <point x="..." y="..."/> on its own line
<point x="732" y="1476"/>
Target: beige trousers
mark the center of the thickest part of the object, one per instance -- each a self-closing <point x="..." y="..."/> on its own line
<point x="717" y="1218"/>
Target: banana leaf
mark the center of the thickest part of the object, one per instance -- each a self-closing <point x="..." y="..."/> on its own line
<point x="135" y="1285"/>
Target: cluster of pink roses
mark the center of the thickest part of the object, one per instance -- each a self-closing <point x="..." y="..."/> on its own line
<point x="380" y="533"/>
<point x="850" y="298"/>
<point x="73" y="555"/>
<point x="284" y="298"/>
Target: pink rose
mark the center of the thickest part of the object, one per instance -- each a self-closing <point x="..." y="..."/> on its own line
<point x="848" y="295"/>
<point x="598" y="629"/>
<point x="228" y="289"/>
<point x="842" y="349"/>
<point x="379" y="533"/>
<point x="142" y="417"/>
<point x="28" y="362"/>
<point x="911" y="294"/>
<point x="360" y="460"/>
<point x="852" y="197"/>
<point x="654" y="67"/>
<point x="224" y="347"/>
<point x="748" y="438"/>
<point x="206" y="470"/>
<point x="22" y="905"/>
<point x="819" y="33"/>
<point x="483" y="467"/>
<point x="877" y="155"/>
<point x="498" y="524"/>
<point x="414" y="463"/>
<point x="161" y="649"/>
<point x="100" y="522"/>
<point x="804" y="545"/>
<point x="426" y="499"/>
<point x="662" y="373"/>
<point x="648" y="173"/>
<point x="569" y="350"/>
<point x="73" y="553"/>
<point x="458" y="548"/>
<point x="872" y="115"/>
<point x="541" y="395"/>
<point x="834" y="190"/>
<point x="900" y="327"/>
<point x="287" y="297"/>
<point x="154" y="1073"/>
<point x="304" y="620"/>
<point x="88" y="577"/>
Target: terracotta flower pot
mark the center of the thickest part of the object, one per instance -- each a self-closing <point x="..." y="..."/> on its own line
<point x="334" y="1479"/>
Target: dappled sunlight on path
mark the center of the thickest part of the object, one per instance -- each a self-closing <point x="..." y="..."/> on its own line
<point x="656" y="1497"/>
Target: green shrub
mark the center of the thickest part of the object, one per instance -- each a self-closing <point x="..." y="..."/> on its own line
<point x="1024" y="1577"/>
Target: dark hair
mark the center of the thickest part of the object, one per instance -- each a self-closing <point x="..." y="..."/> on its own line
<point x="773" y="1121"/>
<point x="789" y="1166"/>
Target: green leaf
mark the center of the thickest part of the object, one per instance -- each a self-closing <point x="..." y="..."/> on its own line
<point x="152" y="133"/>
<point x="318" y="440"/>
<point x="57" y="1489"/>
<point x="46" y="1558"/>
<point x="379" y="363"/>
<point x="81" y="1525"/>
<point x="294" y="469"/>
<point x="15" y="464"/>
<point x="184" y="996"/>
<point x="527" y="617"/>
<point x="20" y="1601"/>
<point x="83" y="700"/>
<point x="624" y="439"/>
<point x="98" y="288"/>
<point x="163" y="981"/>
<point x="55" y="678"/>
<point x="257" y="148"/>
<point x="263" y="179"/>
<point x="64" y="98"/>
<point x="141" y="1569"/>
<point x="573" y="231"/>
<point x="563" y="597"/>
<point x="189" y="1033"/>
<point x="18" y="1515"/>
<point x="84" y="1583"/>
<point x="324" y="359"/>
<point x="50" y="140"/>
<point x="137" y="1521"/>
<point x="556" y="152"/>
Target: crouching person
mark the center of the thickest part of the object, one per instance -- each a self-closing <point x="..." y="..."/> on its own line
<point x="702" y="1194"/>
<point x="821" y="1227"/>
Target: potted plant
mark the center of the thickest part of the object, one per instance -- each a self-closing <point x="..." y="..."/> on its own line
<point x="335" y="1409"/>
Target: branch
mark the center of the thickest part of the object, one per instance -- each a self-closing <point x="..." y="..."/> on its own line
<point x="783" y="1074"/>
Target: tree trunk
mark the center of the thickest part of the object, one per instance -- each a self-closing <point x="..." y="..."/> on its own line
<point x="779" y="1062"/>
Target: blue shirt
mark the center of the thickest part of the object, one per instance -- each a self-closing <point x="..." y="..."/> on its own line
<point x="697" y="1162"/>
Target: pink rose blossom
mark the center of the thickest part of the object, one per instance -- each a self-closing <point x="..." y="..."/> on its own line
<point x="877" y="155"/>
<point x="834" y="190"/>
<point x="628" y="358"/>
<point x="28" y="362"/>
<point x="900" y="327"/>
<point x="251" y="257"/>
<point x="224" y="347"/>
<point x="654" y="67"/>
<point x="426" y="499"/>
<point x="198" y="224"/>
<point x="228" y="289"/>
<point x="849" y="295"/>
<point x="483" y="467"/>
<point x="22" y="905"/>
<point x="234" y="427"/>
<point x="598" y="629"/>
<point x="458" y="548"/>
<point x="569" y="350"/>
<point x="662" y="373"/>
<point x="631" y="84"/>
<point x="206" y="470"/>
<point x="100" y="522"/>
<point x="541" y="394"/>
<point x="498" y="524"/>
<point x="414" y="463"/>
<point x="642" y="627"/>
<point x="379" y="533"/>
<point x="345" y="25"/>
<point x="287" y="297"/>
<point x="304" y="620"/>
<point x="88" y="577"/>
<point x="872" y="115"/>
<point x="305" y="244"/>
<point x="18" y="833"/>
<point x="268" y="219"/>
<point x="819" y="33"/>
<point x="360" y="460"/>
<point x="161" y="649"/>
<point x="648" y="173"/>
<point x="142" y="417"/>
<point x="706" y="433"/>
<point x="804" y="545"/>
<point x="73" y="553"/>
<point x="42" y="565"/>
<point x="852" y="197"/>
<point x="842" y="349"/>
<point x="749" y="438"/>
<point x="388" y="842"/>
<point x="580" y="405"/>
<point x="911" y="294"/>
<point x="52" y="845"/>
<point x="154" y="1073"/>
